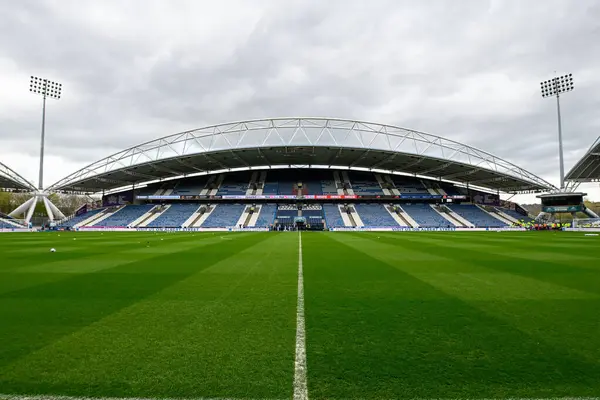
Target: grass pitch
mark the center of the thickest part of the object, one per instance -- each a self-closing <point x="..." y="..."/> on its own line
<point x="388" y="315"/>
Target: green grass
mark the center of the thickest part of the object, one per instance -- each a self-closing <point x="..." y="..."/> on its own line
<point x="388" y="315"/>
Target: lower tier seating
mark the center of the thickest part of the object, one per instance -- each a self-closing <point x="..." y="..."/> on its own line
<point x="224" y="216"/>
<point x="425" y="216"/>
<point x="476" y="216"/>
<point x="174" y="216"/>
<point x="375" y="215"/>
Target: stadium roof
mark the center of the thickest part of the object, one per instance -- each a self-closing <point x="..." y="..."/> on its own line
<point x="588" y="168"/>
<point x="10" y="179"/>
<point x="315" y="142"/>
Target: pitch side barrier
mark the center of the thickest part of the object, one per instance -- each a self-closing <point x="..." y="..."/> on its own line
<point x="123" y="229"/>
<point x="424" y="229"/>
<point x="11" y="230"/>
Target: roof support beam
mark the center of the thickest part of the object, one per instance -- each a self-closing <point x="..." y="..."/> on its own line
<point x="460" y="174"/>
<point x="359" y="158"/>
<point x="386" y="160"/>
<point x="428" y="171"/>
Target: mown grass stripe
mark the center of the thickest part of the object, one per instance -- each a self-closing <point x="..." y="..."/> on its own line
<point x="300" y="384"/>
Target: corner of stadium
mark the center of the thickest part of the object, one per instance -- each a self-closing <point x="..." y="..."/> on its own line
<point x="301" y="173"/>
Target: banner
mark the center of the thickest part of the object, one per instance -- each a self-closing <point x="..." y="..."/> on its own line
<point x="555" y="209"/>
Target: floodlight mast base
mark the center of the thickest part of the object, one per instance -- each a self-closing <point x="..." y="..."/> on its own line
<point x="28" y="208"/>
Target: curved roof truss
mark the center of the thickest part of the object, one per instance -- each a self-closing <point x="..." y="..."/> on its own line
<point x="303" y="141"/>
<point x="10" y="179"/>
<point x="587" y="169"/>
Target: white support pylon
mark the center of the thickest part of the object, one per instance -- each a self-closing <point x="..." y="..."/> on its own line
<point x="29" y="207"/>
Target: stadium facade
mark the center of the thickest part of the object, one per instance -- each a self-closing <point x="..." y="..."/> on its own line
<point x="314" y="173"/>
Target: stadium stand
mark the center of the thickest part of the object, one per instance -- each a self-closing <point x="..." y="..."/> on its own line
<point x="476" y="216"/>
<point x="375" y="215"/>
<point x="174" y="217"/>
<point x="329" y="187"/>
<point x="333" y="219"/>
<point x="515" y="214"/>
<point x="409" y="185"/>
<point x="287" y="187"/>
<point x="286" y="214"/>
<point x="224" y="216"/>
<point x="271" y="188"/>
<point x="70" y="223"/>
<point x="6" y="224"/>
<point x="312" y="211"/>
<point x="425" y="216"/>
<point x="266" y="216"/>
<point x="312" y="187"/>
<point x="125" y="216"/>
<point x="191" y="186"/>
<point x="232" y="188"/>
<point x="364" y="184"/>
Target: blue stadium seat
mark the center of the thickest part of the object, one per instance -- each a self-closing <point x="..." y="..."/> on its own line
<point x="224" y="216"/>
<point x="174" y="216"/>
<point x="266" y="216"/>
<point x="476" y="216"/>
<point x="332" y="216"/>
<point x="80" y="218"/>
<point x="425" y="216"/>
<point x="375" y="215"/>
<point x="125" y="215"/>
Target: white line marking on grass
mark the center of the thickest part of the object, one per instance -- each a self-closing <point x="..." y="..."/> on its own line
<point x="52" y="397"/>
<point x="300" y="386"/>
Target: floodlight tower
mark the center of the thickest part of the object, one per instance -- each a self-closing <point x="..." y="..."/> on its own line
<point x="48" y="89"/>
<point x="553" y="88"/>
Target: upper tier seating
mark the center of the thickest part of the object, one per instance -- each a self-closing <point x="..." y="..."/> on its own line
<point x="80" y="218"/>
<point x="125" y="216"/>
<point x="271" y="188"/>
<point x="425" y="216"/>
<point x="476" y="216"/>
<point x="364" y="183"/>
<point x="287" y="187"/>
<point x="191" y="186"/>
<point x="328" y="187"/>
<point x="174" y="216"/>
<point x="266" y="216"/>
<point x="232" y="189"/>
<point x="224" y="216"/>
<point x="409" y="185"/>
<point x="332" y="216"/>
<point x="375" y="215"/>
<point x="312" y="188"/>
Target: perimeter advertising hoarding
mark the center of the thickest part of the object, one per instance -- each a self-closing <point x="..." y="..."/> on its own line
<point x="307" y="197"/>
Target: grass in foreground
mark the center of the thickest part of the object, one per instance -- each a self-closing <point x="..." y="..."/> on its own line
<point x="394" y="315"/>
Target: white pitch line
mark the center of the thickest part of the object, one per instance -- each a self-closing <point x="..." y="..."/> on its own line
<point x="300" y="386"/>
<point x="53" y="397"/>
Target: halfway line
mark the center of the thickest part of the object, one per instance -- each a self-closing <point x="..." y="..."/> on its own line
<point x="300" y="386"/>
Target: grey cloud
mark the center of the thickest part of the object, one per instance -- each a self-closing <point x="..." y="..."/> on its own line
<point x="394" y="62"/>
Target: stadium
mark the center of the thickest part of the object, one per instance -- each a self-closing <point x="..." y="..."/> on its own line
<point x="299" y="257"/>
<point x="294" y="171"/>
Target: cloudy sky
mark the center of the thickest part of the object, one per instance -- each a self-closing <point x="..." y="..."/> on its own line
<point x="138" y="70"/>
